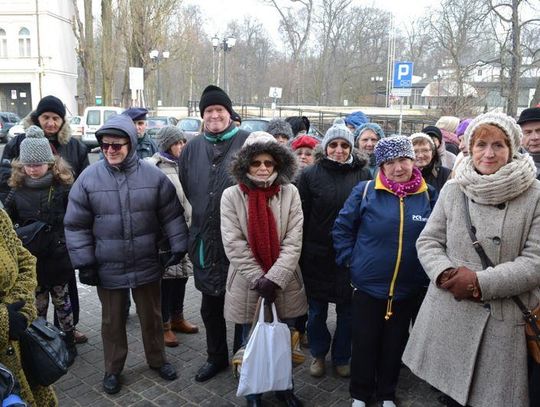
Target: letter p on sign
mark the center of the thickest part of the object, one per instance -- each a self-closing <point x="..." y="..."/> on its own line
<point x="403" y="72"/>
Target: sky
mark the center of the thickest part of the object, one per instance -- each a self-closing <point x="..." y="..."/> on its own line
<point x="219" y="12"/>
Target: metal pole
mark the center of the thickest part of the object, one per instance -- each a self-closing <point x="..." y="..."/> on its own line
<point x="400" y="114"/>
<point x="225" y="66"/>
<point x="158" y="81"/>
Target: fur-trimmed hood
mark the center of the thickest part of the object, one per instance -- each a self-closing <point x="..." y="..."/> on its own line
<point x="63" y="135"/>
<point x="286" y="163"/>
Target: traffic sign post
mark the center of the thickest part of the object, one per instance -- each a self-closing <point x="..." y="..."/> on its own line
<point x="401" y="84"/>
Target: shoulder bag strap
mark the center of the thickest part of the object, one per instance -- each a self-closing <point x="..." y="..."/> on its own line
<point x="486" y="262"/>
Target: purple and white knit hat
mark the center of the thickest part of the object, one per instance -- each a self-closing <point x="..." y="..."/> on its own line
<point x="393" y="147"/>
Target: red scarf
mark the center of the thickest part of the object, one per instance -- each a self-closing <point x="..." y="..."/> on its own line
<point x="262" y="231"/>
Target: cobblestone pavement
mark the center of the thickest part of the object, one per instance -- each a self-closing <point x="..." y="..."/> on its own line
<point x="143" y="387"/>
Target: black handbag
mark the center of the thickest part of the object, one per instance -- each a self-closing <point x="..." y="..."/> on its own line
<point x="36" y="236"/>
<point x="43" y="352"/>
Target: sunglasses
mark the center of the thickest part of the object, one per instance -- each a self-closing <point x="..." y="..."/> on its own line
<point x="334" y="144"/>
<point x="113" y="146"/>
<point x="266" y="163"/>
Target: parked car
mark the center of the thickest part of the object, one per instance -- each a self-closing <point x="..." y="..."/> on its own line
<point x="7" y="120"/>
<point x="75" y="122"/>
<point x="190" y="126"/>
<point x="154" y="123"/>
<point x="93" y="119"/>
<point x="257" y="124"/>
<point x="15" y="130"/>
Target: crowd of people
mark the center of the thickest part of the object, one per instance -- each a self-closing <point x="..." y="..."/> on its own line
<point x="376" y="224"/>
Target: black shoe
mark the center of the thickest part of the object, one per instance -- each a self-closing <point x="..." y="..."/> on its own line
<point x="288" y="397"/>
<point x="111" y="383"/>
<point x="209" y="370"/>
<point x="166" y="371"/>
<point x="254" y="403"/>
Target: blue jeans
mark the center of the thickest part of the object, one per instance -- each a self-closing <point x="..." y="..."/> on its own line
<point x="319" y="336"/>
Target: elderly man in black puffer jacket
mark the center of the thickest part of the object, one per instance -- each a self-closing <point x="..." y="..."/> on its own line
<point x="118" y="209"/>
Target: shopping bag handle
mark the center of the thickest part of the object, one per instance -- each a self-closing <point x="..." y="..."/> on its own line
<point x="261" y="312"/>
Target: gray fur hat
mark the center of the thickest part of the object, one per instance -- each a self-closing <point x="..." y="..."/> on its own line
<point x="35" y="148"/>
<point x="279" y="127"/>
<point x="338" y="130"/>
<point x="168" y="136"/>
<point x="390" y="148"/>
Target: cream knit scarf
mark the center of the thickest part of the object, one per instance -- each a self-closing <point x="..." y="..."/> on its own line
<point x="507" y="183"/>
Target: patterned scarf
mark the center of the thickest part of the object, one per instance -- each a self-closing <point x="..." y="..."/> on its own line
<point x="402" y="189"/>
<point x="262" y="230"/>
<point x="506" y="184"/>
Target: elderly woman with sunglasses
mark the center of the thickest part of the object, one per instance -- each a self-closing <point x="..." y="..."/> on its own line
<point x="261" y="226"/>
<point x="375" y="235"/>
<point x="324" y="187"/>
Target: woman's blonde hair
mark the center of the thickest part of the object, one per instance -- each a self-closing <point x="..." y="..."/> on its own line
<point x="61" y="171"/>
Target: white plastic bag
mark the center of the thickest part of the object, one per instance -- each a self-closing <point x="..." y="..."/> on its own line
<point x="267" y="363"/>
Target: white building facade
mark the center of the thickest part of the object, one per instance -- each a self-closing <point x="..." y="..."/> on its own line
<point x="37" y="54"/>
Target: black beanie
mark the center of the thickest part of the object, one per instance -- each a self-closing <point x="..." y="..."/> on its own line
<point x="214" y="95"/>
<point x="531" y="114"/>
<point x="433" y="131"/>
<point x="51" y="104"/>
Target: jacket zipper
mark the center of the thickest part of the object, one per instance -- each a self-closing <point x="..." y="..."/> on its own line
<point x="398" y="261"/>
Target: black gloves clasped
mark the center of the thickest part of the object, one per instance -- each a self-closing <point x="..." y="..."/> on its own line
<point x="17" y="321"/>
<point x="89" y="275"/>
<point x="266" y="289"/>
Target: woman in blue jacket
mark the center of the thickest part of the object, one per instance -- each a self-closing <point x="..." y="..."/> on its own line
<point x="375" y="235"/>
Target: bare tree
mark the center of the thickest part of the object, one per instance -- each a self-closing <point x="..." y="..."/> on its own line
<point x="107" y="54"/>
<point x="295" y="26"/>
<point x="509" y="13"/>
<point x="84" y="33"/>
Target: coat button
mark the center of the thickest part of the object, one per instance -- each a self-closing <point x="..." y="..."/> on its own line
<point x="497" y="240"/>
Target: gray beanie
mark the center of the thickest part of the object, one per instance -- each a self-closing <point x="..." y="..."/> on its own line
<point x="35" y="148"/>
<point x="279" y="127"/>
<point x="168" y="136"/>
<point x="338" y="130"/>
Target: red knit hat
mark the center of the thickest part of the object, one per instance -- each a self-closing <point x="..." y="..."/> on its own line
<point x="304" y="141"/>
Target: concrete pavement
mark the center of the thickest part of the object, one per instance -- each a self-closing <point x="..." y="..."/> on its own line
<point x="143" y="387"/>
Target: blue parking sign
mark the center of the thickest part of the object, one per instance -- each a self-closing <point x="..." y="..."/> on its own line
<point x="403" y="72"/>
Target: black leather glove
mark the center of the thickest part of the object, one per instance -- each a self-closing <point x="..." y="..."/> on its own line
<point x="89" y="275"/>
<point x="266" y="289"/>
<point x="175" y="259"/>
<point x="17" y="321"/>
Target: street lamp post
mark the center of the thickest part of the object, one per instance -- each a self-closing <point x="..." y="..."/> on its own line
<point x="226" y="44"/>
<point x="438" y="79"/>
<point x="375" y="80"/>
<point x="156" y="56"/>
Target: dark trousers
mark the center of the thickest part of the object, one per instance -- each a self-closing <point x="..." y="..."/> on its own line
<point x="534" y="383"/>
<point x="74" y="299"/>
<point x="173" y="291"/>
<point x="216" y="329"/>
<point x="377" y="345"/>
<point x="113" y="325"/>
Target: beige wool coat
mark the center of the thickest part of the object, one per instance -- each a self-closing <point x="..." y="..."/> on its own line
<point x="240" y="299"/>
<point x="476" y="352"/>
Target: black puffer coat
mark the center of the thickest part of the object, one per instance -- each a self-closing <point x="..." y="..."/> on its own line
<point x="29" y="204"/>
<point x="324" y="187"/>
<point x="204" y="174"/>
<point x="117" y="214"/>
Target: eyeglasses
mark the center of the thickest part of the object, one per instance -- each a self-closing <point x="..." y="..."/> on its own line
<point x="266" y="163"/>
<point x="423" y="150"/>
<point x="335" y="144"/>
<point x="115" y="146"/>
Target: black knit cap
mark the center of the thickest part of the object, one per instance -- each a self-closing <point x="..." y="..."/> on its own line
<point x="51" y="104"/>
<point x="433" y="131"/>
<point x="529" y="115"/>
<point x="214" y="95"/>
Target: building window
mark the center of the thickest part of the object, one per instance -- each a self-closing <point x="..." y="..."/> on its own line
<point x="24" y="42"/>
<point x="3" y="43"/>
<point x="479" y="72"/>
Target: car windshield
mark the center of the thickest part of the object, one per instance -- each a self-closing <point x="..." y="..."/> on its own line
<point x="254" y="125"/>
<point x="189" y="124"/>
<point x="92" y="118"/>
<point x="156" y="122"/>
<point x="107" y="114"/>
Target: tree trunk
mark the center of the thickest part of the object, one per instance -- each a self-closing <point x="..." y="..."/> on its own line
<point x="90" y="83"/>
<point x="107" y="61"/>
<point x="513" y="91"/>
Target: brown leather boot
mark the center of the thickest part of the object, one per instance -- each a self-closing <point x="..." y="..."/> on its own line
<point x="168" y="336"/>
<point x="179" y="324"/>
